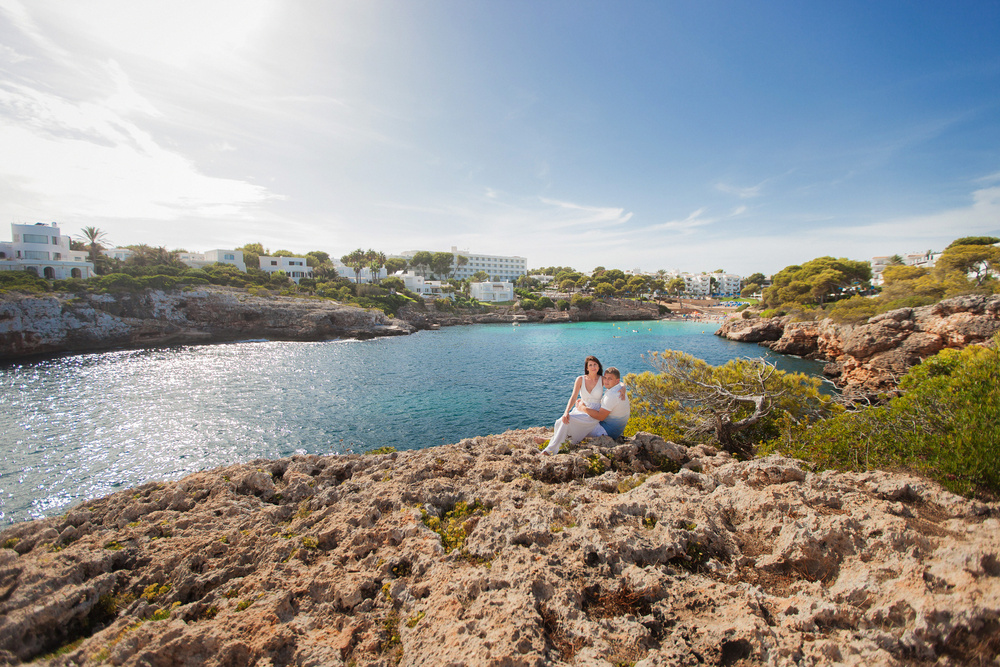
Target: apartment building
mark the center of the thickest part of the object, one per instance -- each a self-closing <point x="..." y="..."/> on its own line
<point x="43" y="250"/>
<point x="499" y="268"/>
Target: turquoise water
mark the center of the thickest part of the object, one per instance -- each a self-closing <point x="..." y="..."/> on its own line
<point x="79" y="427"/>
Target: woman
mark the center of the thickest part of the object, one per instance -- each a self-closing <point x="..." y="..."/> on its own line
<point x="574" y="424"/>
<point x="589" y="386"/>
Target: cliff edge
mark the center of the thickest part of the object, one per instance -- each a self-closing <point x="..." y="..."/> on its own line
<point x="484" y="552"/>
<point x="871" y="357"/>
<point x="56" y="323"/>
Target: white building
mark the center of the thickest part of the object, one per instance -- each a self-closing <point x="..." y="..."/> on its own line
<point x="728" y="284"/>
<point x="697" y="284"/>
<point x="429" y="289"/>
<point x="199" y="260"/>
<point x="495" y="291"/>
<point x="925" y="260"/>
<point x="43" y="250"/>
<point x="120" y="254"/>
<point x="499" y="268"/>
<point x="294" y="267"/>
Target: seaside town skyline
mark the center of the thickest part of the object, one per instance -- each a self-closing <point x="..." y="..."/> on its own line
<point x="644" y="135"/>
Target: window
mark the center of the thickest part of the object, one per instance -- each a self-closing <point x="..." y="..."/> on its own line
<point x="36" y="254"/>
<point x="227" y="256"/>
<point x="36" y="238"/>
<point x="274" y="262"/>
<point x="56" y="256"/>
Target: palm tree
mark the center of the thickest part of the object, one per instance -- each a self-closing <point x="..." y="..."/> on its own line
<point x="357" y="260"/>
<point x="94" y="239"/>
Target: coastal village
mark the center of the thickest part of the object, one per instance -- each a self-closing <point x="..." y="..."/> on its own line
<point x="42" y="249"/>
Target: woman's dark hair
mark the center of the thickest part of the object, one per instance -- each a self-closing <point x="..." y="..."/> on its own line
<point x="600" y="368"/>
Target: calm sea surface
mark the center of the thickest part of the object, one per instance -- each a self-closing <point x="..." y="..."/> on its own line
<point x="79" y="427"/>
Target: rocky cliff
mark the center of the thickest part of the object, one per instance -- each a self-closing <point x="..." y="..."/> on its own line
<point x="73" y="323"/>
<point x="871" y="357"/>
<point x="484" y="552"/>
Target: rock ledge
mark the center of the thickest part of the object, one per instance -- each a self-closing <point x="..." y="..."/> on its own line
<point x="644" y="553"/>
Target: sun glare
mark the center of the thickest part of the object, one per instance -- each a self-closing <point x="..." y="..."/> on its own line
<point x="177" y="32"/>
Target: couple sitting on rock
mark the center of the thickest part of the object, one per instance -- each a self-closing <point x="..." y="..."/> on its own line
<point x="593" y="414"/>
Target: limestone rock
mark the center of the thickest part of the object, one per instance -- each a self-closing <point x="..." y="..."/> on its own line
<point x="72" y="323"/>
<point x="871" y="357"/>
<point x="484" y="552"/>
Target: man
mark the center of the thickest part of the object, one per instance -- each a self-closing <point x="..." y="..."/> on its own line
<point x="615" y="409"/>
<point x="585" y="422"/>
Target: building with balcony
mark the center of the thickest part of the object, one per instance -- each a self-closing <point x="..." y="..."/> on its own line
<point x="500" y="268"/>
<point x="43" y="250"/>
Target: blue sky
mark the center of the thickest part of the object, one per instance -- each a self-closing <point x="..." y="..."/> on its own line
<point x="693" y="135"/>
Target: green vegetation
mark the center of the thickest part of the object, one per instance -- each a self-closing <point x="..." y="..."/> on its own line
<point x="817" y="281"/>
<point x="454" y="526"/>
<point x="945" y="424"/>
<point x="841" y="289"/>
<point x="736" y="405"/>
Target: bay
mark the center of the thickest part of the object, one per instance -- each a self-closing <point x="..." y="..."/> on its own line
<point x="79" y="427"/>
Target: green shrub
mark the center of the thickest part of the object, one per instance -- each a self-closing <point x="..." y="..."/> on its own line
<point x="528" y="304"/>
<point x="22" y="281"/>
<point x="544" y="302"/>
<point x="692" y="401"/>
<point x="946" y="425"/>
<point x="117" y="282"/>
<point x="562" y="304"/>
<point x="582" y="302"/>
<point x="855" y="310"/>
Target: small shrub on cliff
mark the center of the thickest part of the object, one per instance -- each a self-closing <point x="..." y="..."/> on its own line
<point x="582" y="302"/>
<point x="22" y="281"/>
<point x="855" y="310"/>
<point x="736" y="405"/>
<point x="946" y="425"/>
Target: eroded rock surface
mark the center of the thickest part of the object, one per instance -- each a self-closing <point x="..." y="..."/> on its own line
<point x="58" y="323"/>
<point x="871" y="357"/>
<point x="644" y="553"/>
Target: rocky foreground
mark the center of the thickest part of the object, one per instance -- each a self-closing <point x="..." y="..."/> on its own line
<point x="484" y="552"/>
<point x="871" y="357"/>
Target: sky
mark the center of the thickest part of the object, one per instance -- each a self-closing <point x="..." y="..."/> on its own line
<point x="694" y="135"/>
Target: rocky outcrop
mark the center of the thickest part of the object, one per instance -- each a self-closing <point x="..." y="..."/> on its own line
<point x="485" y="552"/>
<point x="871" y="357"/>
<point x="74" y="323"/>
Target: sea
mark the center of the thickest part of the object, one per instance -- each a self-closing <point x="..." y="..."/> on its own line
<point x="83" y="426"/>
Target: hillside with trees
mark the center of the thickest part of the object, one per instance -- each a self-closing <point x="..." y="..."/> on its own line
<point x="841" y="288"/>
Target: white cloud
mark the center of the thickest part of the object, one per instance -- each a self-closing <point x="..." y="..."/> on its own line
<point x="88" y="159"/>
<point x="741" y="192"/>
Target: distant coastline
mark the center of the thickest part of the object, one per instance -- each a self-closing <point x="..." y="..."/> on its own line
<point x="58" y="323"/>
